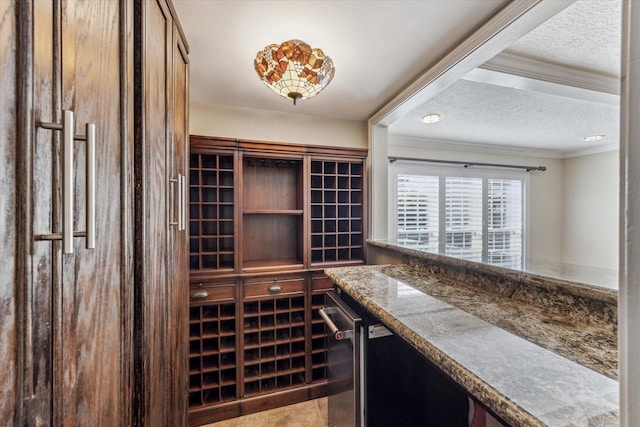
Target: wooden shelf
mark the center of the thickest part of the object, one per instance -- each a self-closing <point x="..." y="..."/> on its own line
<point x="265" y="219"/>
<point x="262" y="264"/>
<point x="294" y="212"/>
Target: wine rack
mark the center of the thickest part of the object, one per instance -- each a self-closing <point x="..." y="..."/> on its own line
<point x="336" y="211"/>
<point x="274" y="345"/>
<point x="212" y="354"/>
<point x="211" y="212"/>
<point x="318" y="340"/>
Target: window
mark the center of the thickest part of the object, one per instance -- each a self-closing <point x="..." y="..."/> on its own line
<point x="471" y="214"/>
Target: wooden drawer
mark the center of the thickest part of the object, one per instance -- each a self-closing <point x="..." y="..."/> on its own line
<point x="321" y="283"/>
<point x="273" y="286"/>
<point x="208" y="292"/>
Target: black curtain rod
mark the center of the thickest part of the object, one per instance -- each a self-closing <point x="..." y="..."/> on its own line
<point x="469" y="164"/>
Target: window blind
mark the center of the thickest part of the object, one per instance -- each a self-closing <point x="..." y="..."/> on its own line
<point x="504" y="239"/>
<point x="463" y="217"/>
<point x="418" y="211"/>
<point x="477" y="217"/>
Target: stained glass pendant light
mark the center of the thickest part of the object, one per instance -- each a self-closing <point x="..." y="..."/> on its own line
<point x="294" y="69"/>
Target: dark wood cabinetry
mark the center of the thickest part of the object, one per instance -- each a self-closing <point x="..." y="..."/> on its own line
<point x="265" y="219"/>
<point x="94" y="332"/>
<point x="161" y="271"/>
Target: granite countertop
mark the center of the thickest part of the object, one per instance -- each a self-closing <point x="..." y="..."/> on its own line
<point x="520" y="380"/>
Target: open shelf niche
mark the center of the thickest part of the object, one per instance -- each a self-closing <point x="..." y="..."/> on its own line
<point x="272" y="197"/>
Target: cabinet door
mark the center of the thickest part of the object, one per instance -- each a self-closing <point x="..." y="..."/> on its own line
<point x="77" y="350"/>
<point x="8" y="211"/>
<point x="178" y="283"/>
<point x="161" y="321"/>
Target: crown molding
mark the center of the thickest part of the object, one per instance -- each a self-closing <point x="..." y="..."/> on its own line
<point x="502" y="150"/>
<point x="523" y="66"/>
<point x="471" y="147"/>
<point x="593" y="150"/>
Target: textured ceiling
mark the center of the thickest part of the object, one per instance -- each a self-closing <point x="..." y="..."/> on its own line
<point x="495" y="115"/>
<point x="378" y="47"/>
<point x="584" y="37"/>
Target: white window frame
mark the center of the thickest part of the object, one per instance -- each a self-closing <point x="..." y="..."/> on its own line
<point x="402" y="167"/>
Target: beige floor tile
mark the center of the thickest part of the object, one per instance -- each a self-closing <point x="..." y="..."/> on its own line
<point x="321" y="404"/>
<point x="312" y="413"/>
<point x="304" y="414"/>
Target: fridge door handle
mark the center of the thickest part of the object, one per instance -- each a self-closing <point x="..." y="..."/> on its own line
<point x="338" y="334"/>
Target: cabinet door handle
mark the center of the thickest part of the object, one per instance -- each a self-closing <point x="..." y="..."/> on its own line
<point x="182" y="202"/>
<point x="199" y="294"/>
<point x="67" y="182"/>
<point x="90" y="137"/>
<point x="68" y="139"/>
<point x="275" y="289"/>
<point x="174" y="210"/>
<point x="179" y="209"/>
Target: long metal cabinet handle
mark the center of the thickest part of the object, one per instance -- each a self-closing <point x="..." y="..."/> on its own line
<point x="68" y="139"/>
<point x="67" y="178"/>
<point x="90" y="138"/>
<point x="181" y="212"/>
<point x="180" y="208"/>
<point x="67" y="183"/>
<point x="183" y="205"/>
<point x="175" y="187"/>
<point x="337" y="333"/>
<point x="91" y="185"/>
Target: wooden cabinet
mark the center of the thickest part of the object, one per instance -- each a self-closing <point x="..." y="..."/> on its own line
<point x="74" y="357"/>
<point x="265" y="219"/>
<point x="91" y="335"/>
<point x="161" y="273"/>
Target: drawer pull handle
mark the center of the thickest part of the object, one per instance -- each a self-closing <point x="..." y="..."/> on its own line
<point x="199" y="294"/>
<point x="275" y="289"/>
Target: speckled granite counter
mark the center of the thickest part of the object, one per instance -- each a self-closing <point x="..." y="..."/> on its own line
<point x="573" y="319"/>
<point x="522" y="382"/>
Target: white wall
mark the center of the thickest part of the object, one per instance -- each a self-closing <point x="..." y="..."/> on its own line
<point x="274" y="126"/>
<point x="545" y="220"/>
<point x="590" y="209"/>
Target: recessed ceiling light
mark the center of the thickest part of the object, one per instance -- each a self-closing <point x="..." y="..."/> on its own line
<point x="594" y="138"/>
<point x="431" y="118"/>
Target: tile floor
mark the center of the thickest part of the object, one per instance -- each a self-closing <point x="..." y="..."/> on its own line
<point x="312" y="413"/>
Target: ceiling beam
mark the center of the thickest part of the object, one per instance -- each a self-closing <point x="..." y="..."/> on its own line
<point x="512" y="22"/>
